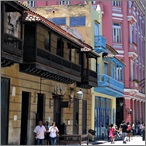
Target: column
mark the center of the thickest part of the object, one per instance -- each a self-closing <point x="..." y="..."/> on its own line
<point x="131" y="70"/>
<point x="135" y="106"/>
<point x="140" y="114"/>
<point x="127" y="108"/>
<point x="133" y="111"/>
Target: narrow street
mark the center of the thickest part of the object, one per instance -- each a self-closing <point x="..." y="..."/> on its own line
<point x="136" y="140"/>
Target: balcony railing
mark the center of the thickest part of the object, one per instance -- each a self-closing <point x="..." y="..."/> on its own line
<point x="58" y="62"/>
<point x="11" y="49"/>
<point x="89" y="79"/>
<point x="12" y="44"/>
<point x="89" y="75"/>
<point x="100" y="44"/>
<point x="107" y="81"/>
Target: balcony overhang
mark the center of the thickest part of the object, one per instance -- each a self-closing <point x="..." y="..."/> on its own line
<point x="6" y="62"/>
<point x="110" y="86"/>
<point x="114" y="60"/>
<point x="48" y="73"/>
<point x="100" y="44"/>
<point x="109" y="91"/>
<point x="84" y="85"/>
<point x="132" y="55"/>
<point x="89" y="79"/>
<point x="91" y="53"/>
<point x="131" y="19"/>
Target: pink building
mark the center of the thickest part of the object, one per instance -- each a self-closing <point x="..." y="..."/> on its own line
<point x="124" y="29"/>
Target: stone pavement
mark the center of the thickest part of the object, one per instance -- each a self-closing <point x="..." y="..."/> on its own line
<point x="136" y="140"/>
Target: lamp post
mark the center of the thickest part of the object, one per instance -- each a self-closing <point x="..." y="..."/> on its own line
<point x="79" y="95"/>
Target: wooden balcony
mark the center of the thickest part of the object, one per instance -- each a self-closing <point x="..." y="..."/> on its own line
<point x="89" y="79"/>
<point x="11" y="50"/>
<point x="48" y="65"/>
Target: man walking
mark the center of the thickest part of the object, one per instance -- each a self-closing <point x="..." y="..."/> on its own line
<point x="124" y="131"/>
<point x="40" y="131"/>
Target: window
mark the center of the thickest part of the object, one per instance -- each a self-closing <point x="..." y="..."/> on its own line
<point x="78" y="21"/>
<point x="64" y="2"/>
<point x="31" y="3"/>
<point x="60" y="47"/>
<point x="113" y="72"/>
<point x="96" y="29"/>
<point x="58" y="21"/>
<point x="98" y="69"/>
<point x="116" y="32"/>
<point x="47" y="42"/>
<point x="106" y="68"/>
<point x="93" y="2"/>
<point x="119" y="73"/>
<point x="116" y="3"/>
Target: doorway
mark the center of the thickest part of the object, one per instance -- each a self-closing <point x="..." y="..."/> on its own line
<point x="40" y="108"/>
<point x="24" y="117"/>
<point x="57" y="111"/>
<point x="76" y="117"/>
<point x="5" y="92"/>
<point x="119" y="111"/>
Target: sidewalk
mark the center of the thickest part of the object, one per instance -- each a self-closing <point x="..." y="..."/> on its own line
<point x="136" y="140"/>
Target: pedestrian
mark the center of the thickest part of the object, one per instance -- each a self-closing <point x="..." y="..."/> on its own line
<point x="124" y="131"/>
<point x="112" y="133"/>
<point x="40" y="131"/>
<point x="103" y="131"/>
<point x="133" y="129"/>
<point x="47" y="138"/>
<point x="143" y="132"/>
<point x="120" y="130"/>
<point x="140" y="129"/>
<point x="136" y="129"/>
<point x="128" y="131"/>
<point x="53" y="133"/>
<point x="107" y="128"/>
<point x="116" y="131"/>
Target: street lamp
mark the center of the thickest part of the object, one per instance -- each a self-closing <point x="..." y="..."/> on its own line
<point x="72" y="97"/>
<point x="80" y="94"/>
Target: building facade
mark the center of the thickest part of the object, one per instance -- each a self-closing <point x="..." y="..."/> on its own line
<point x="126" y="33"/>
<point x="124" y="17"/>
<point x="43" y="68"/>
<point x="88" y="22"/>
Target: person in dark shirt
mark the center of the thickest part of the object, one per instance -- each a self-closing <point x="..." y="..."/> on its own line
<point x="124" y="131"/>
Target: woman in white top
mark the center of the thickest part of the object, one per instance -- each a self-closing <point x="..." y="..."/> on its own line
<point x="53" y="133"/>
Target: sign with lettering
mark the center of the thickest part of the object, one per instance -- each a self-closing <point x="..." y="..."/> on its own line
<point x="85" y="49"/>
